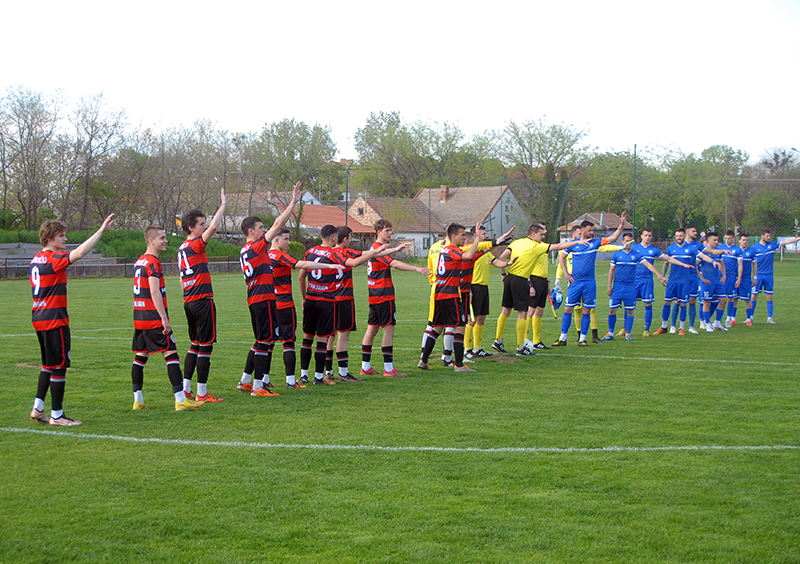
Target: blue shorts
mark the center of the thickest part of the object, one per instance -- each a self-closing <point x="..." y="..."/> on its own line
<point x="623" y="295"/>
<point x="713" y="291"/>
<point x="745" y="288"/>
<point x="763" y="283"/>
<point x="731" y="291"/>
<point x="645" y="291"/>
<point x="677" y="292"/>
<point x="585" y="290"/>
<point x="694" y="285"/>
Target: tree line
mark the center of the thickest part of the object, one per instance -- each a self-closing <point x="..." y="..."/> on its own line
<point x="80" y="162"/>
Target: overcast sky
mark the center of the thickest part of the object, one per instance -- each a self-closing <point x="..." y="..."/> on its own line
<point x="683" y="75"/>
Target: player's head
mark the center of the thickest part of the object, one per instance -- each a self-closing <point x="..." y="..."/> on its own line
<point x="252" y="227"/>
<point x="575" y="232"/>
<point x="627" y="237"/>
<point x="647" y="236"/>
<point x="54" y="231"/>
<point x="537" y="231"/>
<point x="587" y="229"/>
<point x="156" y="239"/>
<point x="744" y="239"/>
<point x="383" y="230"/>
<point x="712" y="239"/>
<point x="328" y="233"/>
<point x="343" y="232"/>
<point x="193" y="221"/>
<point x="281" y="240"/>
<point x="455" y="232"/>
<point x="680" y="235"/>
<point x="730" y="237"/>
<point x="691" y="232"/>
<point x="766" y="234"/>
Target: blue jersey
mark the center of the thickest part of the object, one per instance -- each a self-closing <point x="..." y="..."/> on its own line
<point x="698" y="246"/>
<point x="732" y="260"/>
<point x="687" y="254"/>
<point x="710" y="270"/>
<point x="626" y="265"/>
<point x="747" y="263"/>
<point x="584" y="257"/>
<point x="763" y="257"/>
<point x="649" y="253"/>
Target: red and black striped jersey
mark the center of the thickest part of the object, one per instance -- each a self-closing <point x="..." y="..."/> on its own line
<point x="145" y="314"/>
<point x="448" y="273"/>
<point x="257" y="270"/>
<point x="49" y="286"/>
<point x="282" y="265"/>
<point x="379" y="278"/>
<point x="193" y="264"/>
<point x="345" y="290"/>
<point x="322" y="284"/>
<point x="467" y="268"/>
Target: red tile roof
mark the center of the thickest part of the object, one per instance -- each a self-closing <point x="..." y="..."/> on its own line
<point x="316" y="217"/>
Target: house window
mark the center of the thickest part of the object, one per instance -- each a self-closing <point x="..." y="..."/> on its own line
<point x="426" y="242"/>
<point x="360" y="211"/>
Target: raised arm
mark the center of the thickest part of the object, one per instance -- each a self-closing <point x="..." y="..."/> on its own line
<point x="400" y="265"/>
<point x="615" y="235"/>
<point x="214" y="225"/>
<point x="86" y="247"/>
<point x="281" y="220"/>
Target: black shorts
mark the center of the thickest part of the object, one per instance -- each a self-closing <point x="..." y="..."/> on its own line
<point x="319" y="318"/>
<point x="539" y="299"/>
<point x="152" y="341"/>
<point x="287" y="324"/>
<point x="346" y="315"/>
<point x="383" y="314"/>
<point x="201" y="315"/>
<point x="480" y="299"/>
<point x="449" y="312"/>
<point x="516" y="293"/>
<point x="263" y="317"/>
<point x="55" y="346"/>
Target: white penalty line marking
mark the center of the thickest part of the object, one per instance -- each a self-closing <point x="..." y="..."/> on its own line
<point x="499" y="450"/>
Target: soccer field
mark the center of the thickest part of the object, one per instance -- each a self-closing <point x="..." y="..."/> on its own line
<point x="665" y="449"/>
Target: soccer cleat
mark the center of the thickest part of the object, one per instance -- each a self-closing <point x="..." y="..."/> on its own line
<point x="189" y="395"/>
<point x="323" y="382"/>
<point x="137" y="405"/>
<point x="264" y="393"/>
<point x="727" y="324"/>
<point x="628" y="337"/>
<point x="469" y="360"/>
<point x="186" y="405"/>
<point x="304" y="379"/>
<point x="368" y="372"/>
<point x="694" y="331"/>
<point x="720" y="328"/>
<point x="328" y="374"/>
<point x="469" y="354"/>
<point x="597" y="340"/>
<point x="583" y="343"/>
<point x="480" y="353"/>
<point x="39" y="416"/>
<point x="660" y="331"/>
<point x="244" y="387"/>
<point x="447" y="363"/>
<point x="748" y="323"/>
<point x="296" y="386"/>
<point x="423" y="365"/>
<point x="709" y="329"/>
<point x="64" y="421"/>
<point x="209" y="398"/>
<point x="269" y="385"/>
<point x="646" y="333"/>
<point x="620" y="333"/>
<point x="610" y="336"/>
<point x="770" y="321"/>
<point x="559" y="343"/>
<point x="464" y="368"/>
<point x="348" y="378"/>
<point x="733" y="322"/>
<point x="524" y="352"/>
<point x="702" y="324"/>
<point x="498" y="346"/>
<point x="392" y="373"/>
<point x="682" y="333"/>
<point x="672" y="330"/>
<point x="540" y="346"/>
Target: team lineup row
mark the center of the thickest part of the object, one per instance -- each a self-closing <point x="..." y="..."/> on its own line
<point x="458" y="270"/>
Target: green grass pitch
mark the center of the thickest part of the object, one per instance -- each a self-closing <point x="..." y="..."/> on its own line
<point x="666" y="449"/>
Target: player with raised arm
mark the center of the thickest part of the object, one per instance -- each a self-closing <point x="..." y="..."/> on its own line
<point x="152" y="330"/>
<point x="48" y="276"/>
<point x="763" y="275"/>
<point x="382" y="307"/>
<point x="198" y="298"/>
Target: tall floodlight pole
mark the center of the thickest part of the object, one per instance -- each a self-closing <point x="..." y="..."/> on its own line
<point x="347" y="192"/>
<point x="633" y="211"/>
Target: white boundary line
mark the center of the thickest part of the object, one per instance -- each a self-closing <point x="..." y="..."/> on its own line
<point x="518" y="450"/>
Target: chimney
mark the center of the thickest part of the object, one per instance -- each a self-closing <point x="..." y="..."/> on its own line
<point x="443" y="195"/>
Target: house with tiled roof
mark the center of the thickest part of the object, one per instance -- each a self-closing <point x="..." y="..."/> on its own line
<point x="495" y="207"/>
<point x="411" y="221"/>
<point x="314" y="218"/>
<point x="605" y="223"/>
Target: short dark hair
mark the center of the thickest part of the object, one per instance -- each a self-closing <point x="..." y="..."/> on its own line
<point x="382" y="224"/>
<point x="586" y="223"/>
<point x="744" y="235"/>
<point x="327" y="231"/>
<point x="50" y="230"/>
<point x="765" y="231"/>
<point x="647" y="229"/>
<point x="249" y="223"/>
<point x="573" y="229"/>
<point x="730" y="232"/>
<point x="189" y="220"/>
<point x="454" y="229"/>
<point x="150" y="232"/>
<point x="535" y="227"/>
<point x="690" y="226"/>
<point x="342" y="233"/>
<point x="712" y="234"/>
<point x="680" y="230"/>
